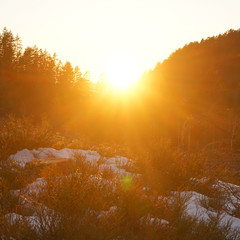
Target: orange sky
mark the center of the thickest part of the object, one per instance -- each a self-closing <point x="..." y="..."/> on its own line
<point x="91" y="33"/>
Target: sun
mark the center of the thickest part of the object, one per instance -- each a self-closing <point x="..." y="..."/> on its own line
<point x="122" y="72"/>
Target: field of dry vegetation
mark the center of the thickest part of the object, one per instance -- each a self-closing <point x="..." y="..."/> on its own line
<point x="94" y="193"/>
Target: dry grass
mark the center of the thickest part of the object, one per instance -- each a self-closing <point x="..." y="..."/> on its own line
<point x="81" y="201"/>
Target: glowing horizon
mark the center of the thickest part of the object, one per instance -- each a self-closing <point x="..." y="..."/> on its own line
<point x="88" y="33"/>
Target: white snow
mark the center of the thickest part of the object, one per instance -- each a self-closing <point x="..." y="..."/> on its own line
<point x="194" y="201"/>
<point x="35" y="187"/>
<point x="194" y="208"/>
<point x="112" y="210"/>
<point x="114" y="163"/>
<point x="37" y="223"/>
<point x="24" y="156"/>
<point x="150" y="220"/>
<point x="13" y="218"/>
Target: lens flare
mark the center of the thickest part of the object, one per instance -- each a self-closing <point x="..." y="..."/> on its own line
<point x="127" y="182"/>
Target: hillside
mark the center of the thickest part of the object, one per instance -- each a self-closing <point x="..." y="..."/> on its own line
<point x="198" y="87"/>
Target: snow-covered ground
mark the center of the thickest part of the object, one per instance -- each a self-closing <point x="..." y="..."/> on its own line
<point x="25" y="156"/>
<point x="195" y="208"/>
<point x="193" y="205"/>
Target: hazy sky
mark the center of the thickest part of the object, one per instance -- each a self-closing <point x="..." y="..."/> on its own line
<point x="89" y="33"/>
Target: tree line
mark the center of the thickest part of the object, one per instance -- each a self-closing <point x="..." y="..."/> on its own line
<point x="33" y="82"/>
<point x="192" y="97"/>
<point x="199" y="90"/>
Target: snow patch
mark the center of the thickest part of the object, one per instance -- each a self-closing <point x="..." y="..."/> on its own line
<point x="194" y="208"/>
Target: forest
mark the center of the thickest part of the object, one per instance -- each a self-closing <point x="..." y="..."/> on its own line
<point x="191" y="98"/>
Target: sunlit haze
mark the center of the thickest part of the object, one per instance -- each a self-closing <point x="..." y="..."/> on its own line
<point x="122" y="72"/>
<point x="120" y="119"/>
<point x="89" y="33"/>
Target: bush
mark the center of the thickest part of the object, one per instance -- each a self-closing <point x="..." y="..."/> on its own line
<point x="17" y="134"/>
